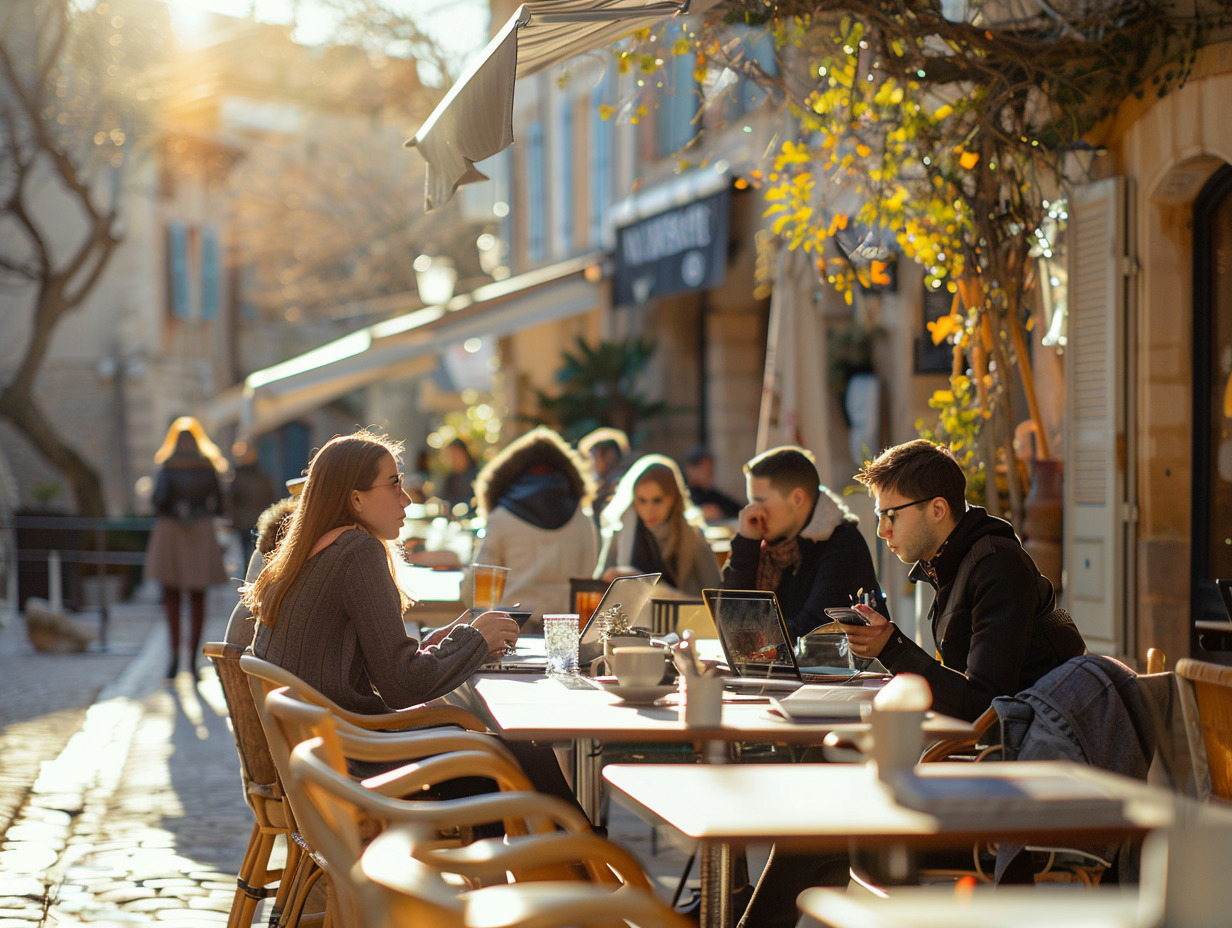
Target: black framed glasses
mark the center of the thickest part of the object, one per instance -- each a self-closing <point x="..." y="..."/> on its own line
<point x="394" y="481"/>
<point x="892" y="512"/>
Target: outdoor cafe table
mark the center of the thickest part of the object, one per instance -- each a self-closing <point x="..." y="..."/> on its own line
<point x="524" y="707"/>
<point x="824" y="806"/>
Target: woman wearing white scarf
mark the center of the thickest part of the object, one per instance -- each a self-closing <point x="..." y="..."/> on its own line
<point x="651" y="526"/>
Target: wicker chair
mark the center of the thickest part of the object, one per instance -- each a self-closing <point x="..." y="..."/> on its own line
<point x="271" y="676"/>
<point x="399" y="890"/>
<point x="338" y="814"/>
<point x="263" y="791"/>
<point x="1208" y="716"/>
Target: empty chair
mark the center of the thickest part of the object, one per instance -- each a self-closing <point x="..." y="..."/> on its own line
<point x="399" y="890"/>
<point x="1208" y="717"/>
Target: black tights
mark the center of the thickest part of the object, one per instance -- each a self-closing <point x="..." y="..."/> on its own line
<point x="172" y="598"/>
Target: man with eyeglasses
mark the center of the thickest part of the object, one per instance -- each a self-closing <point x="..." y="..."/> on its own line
<point x="994" y="617"/>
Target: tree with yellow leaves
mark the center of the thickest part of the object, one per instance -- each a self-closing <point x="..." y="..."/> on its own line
<point x="946" y="128"/>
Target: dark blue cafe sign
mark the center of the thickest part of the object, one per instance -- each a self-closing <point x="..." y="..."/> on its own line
<point x="675" y="251"/>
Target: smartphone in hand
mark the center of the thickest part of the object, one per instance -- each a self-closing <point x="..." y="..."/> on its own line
<point x="845" y="615"/>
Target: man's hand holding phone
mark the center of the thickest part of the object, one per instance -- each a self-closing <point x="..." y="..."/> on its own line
<point x="867" y="630"/>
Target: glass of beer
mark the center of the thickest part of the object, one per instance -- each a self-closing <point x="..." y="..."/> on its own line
<point x="488" y="586"/>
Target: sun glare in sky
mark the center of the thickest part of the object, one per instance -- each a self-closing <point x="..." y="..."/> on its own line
<point x="459" y="25"/>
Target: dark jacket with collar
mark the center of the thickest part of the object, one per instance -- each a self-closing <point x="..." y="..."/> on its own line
<point x="990" y="634"/>
<point x="187" y="488"/>
<point x="835" y="566"/>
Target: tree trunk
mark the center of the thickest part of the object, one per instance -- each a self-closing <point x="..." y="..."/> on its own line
<point x="19" y="408"/>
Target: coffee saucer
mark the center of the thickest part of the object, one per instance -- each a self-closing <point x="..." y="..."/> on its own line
<point x="638" y="695"/>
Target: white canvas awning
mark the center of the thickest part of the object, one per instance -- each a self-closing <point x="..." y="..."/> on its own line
<point x="475" y="119"/>
<point x="405" y="345"/>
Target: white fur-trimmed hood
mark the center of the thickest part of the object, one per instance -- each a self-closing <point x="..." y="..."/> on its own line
<point x="828" y="514"/>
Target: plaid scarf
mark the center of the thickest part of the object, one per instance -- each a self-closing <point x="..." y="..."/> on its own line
<point x="774" y="560"/>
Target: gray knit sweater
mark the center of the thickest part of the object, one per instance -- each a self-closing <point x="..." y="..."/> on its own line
<point x="340" y="630"/>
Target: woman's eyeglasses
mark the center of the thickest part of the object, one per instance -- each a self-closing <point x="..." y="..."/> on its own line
<point x="892" y="512"/>
<point x="394" y="481"/>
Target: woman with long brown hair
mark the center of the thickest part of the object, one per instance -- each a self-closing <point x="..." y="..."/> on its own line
<point x="650" y="526"/>
<point x="328" y="605"/>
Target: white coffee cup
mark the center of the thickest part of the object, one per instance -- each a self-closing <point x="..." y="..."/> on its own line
<point x="638" y="665"/>
<point x="703" y="700"/>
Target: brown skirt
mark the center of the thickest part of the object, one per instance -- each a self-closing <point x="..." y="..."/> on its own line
<point x="185" y="555"/>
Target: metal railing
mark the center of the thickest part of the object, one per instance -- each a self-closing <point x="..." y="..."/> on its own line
<point x="74" y="546"/>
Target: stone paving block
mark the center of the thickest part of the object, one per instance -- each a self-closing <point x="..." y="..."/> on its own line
<point x="124" y="892"/>
<point x="26" y="857"/>
<point x="11" y="906"/>
<point x="212" y="903"/>
<point x="39" y="811"/>
<point x="36" y="831"/>
<point x="20" y="886"/>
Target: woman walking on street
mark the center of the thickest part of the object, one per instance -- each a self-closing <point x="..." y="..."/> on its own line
<point x="183" y="554"/>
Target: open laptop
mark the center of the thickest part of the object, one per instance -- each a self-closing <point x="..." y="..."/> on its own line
<point x="633" y="595"/>
<point x="755" y="640"/>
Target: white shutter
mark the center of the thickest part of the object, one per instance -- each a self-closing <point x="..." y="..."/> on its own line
<point x="1096" y="507"/>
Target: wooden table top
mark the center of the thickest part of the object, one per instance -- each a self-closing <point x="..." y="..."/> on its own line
<point x="526" y="707"/>
<point x="822" y="806"/>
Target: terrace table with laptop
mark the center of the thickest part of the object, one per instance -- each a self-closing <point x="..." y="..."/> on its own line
<point x="522" y="707"/>
<point x="824" y="806"/>
<point x="517" y="700"/>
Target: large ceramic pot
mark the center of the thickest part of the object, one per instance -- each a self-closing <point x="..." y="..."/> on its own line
<point x="1043" y="527"/>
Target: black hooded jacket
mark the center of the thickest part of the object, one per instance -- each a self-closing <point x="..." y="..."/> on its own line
<point x="994" y="634"/>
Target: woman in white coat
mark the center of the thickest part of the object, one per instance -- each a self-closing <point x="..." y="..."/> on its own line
<point x="535" y="499"/>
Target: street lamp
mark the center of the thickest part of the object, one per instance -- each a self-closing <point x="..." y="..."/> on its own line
<point x="435" y="279"/>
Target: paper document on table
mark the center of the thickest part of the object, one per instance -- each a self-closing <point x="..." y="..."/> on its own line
<point x="816" y="701"/>
<point x="1007" y="795"/>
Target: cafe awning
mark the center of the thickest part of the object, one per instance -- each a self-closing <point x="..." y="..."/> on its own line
<point x="475" y="119"/>
<point x="406" y="345"/>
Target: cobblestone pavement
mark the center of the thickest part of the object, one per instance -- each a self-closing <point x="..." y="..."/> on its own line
<point x="120" y="797"/>
<point x="120" y="791"/>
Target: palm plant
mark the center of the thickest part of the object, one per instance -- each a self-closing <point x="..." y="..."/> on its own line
<point x="598" y="387"/>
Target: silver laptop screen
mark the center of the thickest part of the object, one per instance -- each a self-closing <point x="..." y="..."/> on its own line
<point x="751" y="630"/>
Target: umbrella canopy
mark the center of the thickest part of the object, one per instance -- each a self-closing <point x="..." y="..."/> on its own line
<point x="475" y="119"/>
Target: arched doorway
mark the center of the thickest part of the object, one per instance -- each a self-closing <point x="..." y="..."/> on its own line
<point x="1212" y="371"/>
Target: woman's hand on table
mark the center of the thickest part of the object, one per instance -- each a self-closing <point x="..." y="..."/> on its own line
<point x="498" y="630"/>
<point x="866" y="641"/>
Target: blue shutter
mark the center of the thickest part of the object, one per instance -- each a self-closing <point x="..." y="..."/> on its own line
<point x="759" y="47"/>
<point x="600" y="164"/>
<point x="536" y="220"/>
<point x="177" y="265"/>
<point x="678" y="101"/>
<point x="209" y="273"/>
<point x="564" y="165"/>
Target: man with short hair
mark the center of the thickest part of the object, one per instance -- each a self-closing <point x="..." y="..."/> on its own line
<point x="796" y="538"/>
<point x="994" y="618"/>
